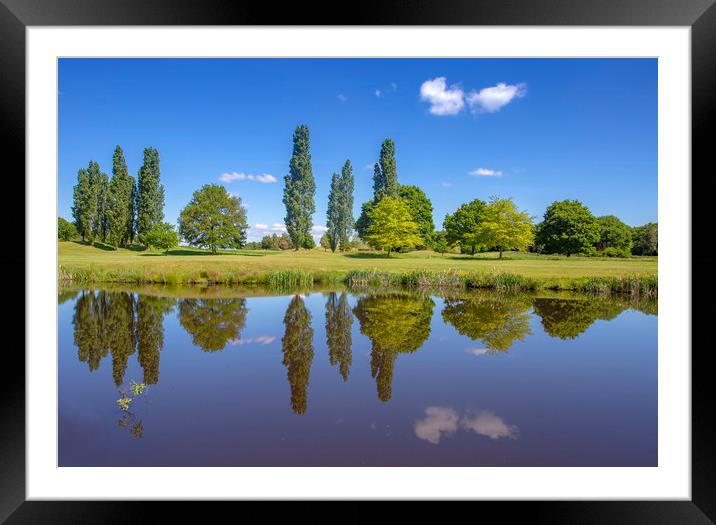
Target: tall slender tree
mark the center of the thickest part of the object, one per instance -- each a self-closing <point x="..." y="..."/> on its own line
<point x="102" y="220"/>
<point x="150" y="198"/>
<point x="346" y="186"/>
<point x="386" y="185"/>
<point x="299" y="191"/>
<point x="84" y="205"/>
<point x="119" y="207"/>
<point x="334" y="213"/>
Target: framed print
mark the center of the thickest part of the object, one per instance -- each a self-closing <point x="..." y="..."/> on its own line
<point x="411" y="258"/>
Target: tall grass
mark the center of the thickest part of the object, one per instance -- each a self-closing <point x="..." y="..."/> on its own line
<point x="634" y="285"/>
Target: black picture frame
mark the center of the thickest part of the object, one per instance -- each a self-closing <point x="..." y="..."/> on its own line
<point x="699" y="15"/>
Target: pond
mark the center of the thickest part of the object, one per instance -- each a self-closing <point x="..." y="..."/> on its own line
<point x="219" y="376"/>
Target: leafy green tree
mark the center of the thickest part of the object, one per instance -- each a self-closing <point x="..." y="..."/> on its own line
<point x="392" y="226"/>
<point x="441" y="245"/>
<point x="504" y="227"/>
<point x="213" y="219"/>
<point x="162" y="236"/>
<point x="335" y="211"/>
<point x="66" y="231"/>
<point x="646" y="239"/>
<point x="150" y="194"/>
<point x="461" y="226"/>
<point x="614" y="234"/>
<point x="299" y="191"/>
<point x="395" y="323"/>
<point x="325" y="242"/>
<point x="85" y="209"/>
<point x="345" y="227"/>
<point x="101" y="223"/>
<point x="497" y="321"/>
<point x="339" y="320"/>
<point x="213" y="323"/>
<point x="421" y="209"/>
<point x="385" y="175"/>
<point x="297" y="344"/>
<point x="119" y="205"/>
<point x="363" y="222"/>
<point x="568" y="227"/>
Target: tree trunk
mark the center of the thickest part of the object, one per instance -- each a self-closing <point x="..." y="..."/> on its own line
<point x="500" y="254"/>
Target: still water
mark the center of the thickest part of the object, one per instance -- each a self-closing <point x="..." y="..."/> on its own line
<point x="338" y="378"/>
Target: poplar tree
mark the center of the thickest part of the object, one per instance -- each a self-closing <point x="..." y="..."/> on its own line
<point x="120" y="207"/>
<point x="299" y="191"/>
<point x="346" y="190"/>
<point x="335" y="213"/>
<point x="83" y="208"/>
<point x="388" y="179"/>
<point x="102" y="219"/>
<point x="150" y="197"/>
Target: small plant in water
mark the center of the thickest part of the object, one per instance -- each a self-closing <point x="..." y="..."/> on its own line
<point x="124" y="402"/>
<point x="137" y="389"/>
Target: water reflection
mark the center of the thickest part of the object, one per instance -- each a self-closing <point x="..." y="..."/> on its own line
<point x="297" y="346"/>
<point x="120" y="323"/>
<point x="339" y="321"/>
<point x="213" y="323"/>
<point x="445" y="421"/>
<point x="395" y="323"/>
<point x="496" y="320"/>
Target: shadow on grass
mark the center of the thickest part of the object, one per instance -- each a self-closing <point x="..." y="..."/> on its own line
<point x="99" y="245"/>
<point x="196" y="252"/>
<point x="366" y="255"/>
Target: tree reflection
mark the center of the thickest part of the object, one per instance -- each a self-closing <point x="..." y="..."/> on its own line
<point x="118" y="324"/>
<point x="297" y="346"/>
<point x="150" y="333"/>
<point x="568" y="318"/>
<point x="496" y="320"/>
<point x="339" y="320"/>
<point x="212" y="323"/>
<point x="395" y="323"/>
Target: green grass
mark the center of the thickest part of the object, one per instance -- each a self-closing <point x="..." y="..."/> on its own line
<point x="516" y="271"/>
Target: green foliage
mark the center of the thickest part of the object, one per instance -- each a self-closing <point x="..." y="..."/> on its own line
<point x="461" y="226"/>
<point x="214" y="219"/>
<point x="395" y="323"/>
<point x="213" y="323"/>
<point x="497" y="320"/>
<point x="614" y="234"/>
<point x="345" y="227"/>
<point x="136" y="389"/>
<point x="421" y="210"/>
<point x="150" y="194"/>
<point x="385" y="174"/>
<point x="297" y="344"/>
<point x="339" y="320"/>
<point x="392" y="226"/>
<point x="326" y="241"/>
<point x="162" y="236"/>
<point x="569" y="228"/>
<point x="504" y="227"/>
<point x="335" y="211"/>
<point x="120" y="207"/>
<point x="363" y="221"/>
<point x="299" y="191"/>
<point x="124" y="402"/>
<point x="66" y="231"/>
<point x="276" y="242"/>
<point x="616" y="252"/>
<point x="441" y="244"/>
<point x="646" y="239"/>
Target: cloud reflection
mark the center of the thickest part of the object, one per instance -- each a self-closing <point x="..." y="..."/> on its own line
<point x="445" y="421"/>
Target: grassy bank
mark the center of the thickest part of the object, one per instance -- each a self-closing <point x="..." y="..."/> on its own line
<point x="90" y="264"/>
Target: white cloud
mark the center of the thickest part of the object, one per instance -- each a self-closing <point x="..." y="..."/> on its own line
<point x="317" y="228"/>
<point x="261" y="226"/>
<point x="491" y="99"/>
<point x="488" y="424"/>
<point x="378" y="93"/>
<point x="437" y="421"/>
<point x="393" y="86"/>
<point x="266" y="178"/>
<point x="342" y="97"/>
<point x="446" y="184"/>
<point x="443" y="100"/>
<point x="278" y="227"/>
<point x="485" y="172"/>
<point x="369" y="167"/>
<point x="477" y="351"/>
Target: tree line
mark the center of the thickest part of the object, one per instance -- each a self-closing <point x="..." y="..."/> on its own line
<point x="399" y="217"/>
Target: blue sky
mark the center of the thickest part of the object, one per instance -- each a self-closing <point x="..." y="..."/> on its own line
<point x="536" y="130"/>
